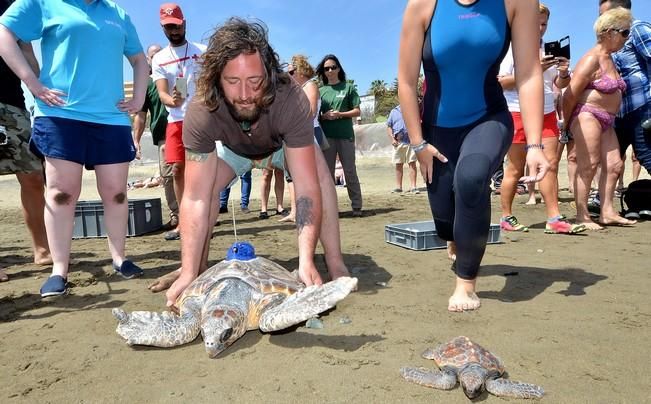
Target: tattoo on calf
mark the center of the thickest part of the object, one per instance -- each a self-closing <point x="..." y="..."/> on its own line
<point x="196" y="156"/>
<point x="304" y="213"/>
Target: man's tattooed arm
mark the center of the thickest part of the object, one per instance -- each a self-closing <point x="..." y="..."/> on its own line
<point x="191" y="155"/>
<point x="304" y="213"/>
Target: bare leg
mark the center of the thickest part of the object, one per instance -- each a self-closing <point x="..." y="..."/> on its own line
<point x="32" y="196"/>
<point x="513" y="171"/>
<point x="611" y="168"/>
<point x="531" y="188"/>
<point x="413" y="174"/>
<point x="549" y="184"/>
<point x="279" y="189"/>
<point x="111" y="185"/>
<point x="464" y="297"/>
<point x="265" y="189"/>
<point x="571" y="165"/>
<point x="178" y="172"/>
<point x="637" y="167"/>
<point x="452" y="250"/>
<point x="292" y="199"/>
<point x="587" y="135"/>
<point x="330" y="236"/>
<point x="63" y="184"/>
<point x="398" y="169"/>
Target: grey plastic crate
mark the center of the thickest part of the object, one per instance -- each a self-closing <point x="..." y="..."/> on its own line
<point x="422" y="235"/>
<point x="145" y="216"/>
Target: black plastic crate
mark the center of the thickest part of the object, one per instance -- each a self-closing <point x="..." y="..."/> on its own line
<point x="145" y="216"/>
<point x="422" y="235"/>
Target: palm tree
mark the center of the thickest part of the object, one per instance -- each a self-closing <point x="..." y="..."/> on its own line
<point x="378" y="87"/>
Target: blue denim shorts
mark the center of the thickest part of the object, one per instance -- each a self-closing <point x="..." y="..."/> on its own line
<point x="85" y="143"/>
<point x="241" y="165"/>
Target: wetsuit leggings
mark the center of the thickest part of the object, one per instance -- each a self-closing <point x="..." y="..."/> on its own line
<point x="459" y="194"/>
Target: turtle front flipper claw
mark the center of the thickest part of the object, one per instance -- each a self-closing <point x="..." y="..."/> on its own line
<point x="156" y="329"/>
<point x="306" y="303"/>
<point x="509" y="388"/>
<point x="430" y="378"/>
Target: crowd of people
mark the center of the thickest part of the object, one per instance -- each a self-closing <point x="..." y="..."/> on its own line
<point x="221" y="109"/>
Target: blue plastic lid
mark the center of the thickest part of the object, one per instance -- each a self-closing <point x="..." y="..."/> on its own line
<point x="241" y="251"/>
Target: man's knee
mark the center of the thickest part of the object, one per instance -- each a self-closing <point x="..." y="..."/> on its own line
<point x="32" y="183"/>
<point x="472" y="176"/>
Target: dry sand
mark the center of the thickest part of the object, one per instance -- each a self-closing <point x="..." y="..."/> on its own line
<point x="573" y="316"/>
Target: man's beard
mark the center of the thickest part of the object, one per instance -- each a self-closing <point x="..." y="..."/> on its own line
<point x="241" y="114"/>
<point x="176" y="39"/>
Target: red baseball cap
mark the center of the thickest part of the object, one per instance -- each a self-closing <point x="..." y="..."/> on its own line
<point x="171" y="13"/>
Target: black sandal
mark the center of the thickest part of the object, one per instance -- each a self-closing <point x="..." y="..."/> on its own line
<point x="263" y="215"/>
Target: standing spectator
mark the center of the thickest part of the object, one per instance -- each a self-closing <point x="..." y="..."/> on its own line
<point x="339" y="105"/>
<point x="466" y="126"/>
<point x="555" y="73"/>
<point x="633" y="62"/>
<point x="175" y="68"/>
<point x="81" y="116"/>
<point x="15" y="156"/>
<point x="157" y="126"/>
<point x="278" y="176"/>
<point x="242" y="77"/>
<point x="402" y="153"/>
<point x="589" y="105"/>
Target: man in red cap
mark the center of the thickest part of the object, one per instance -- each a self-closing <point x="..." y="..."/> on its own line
<point x="173" y="70"/>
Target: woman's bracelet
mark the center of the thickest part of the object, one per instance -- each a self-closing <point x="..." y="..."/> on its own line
<point x="416" y="148"/>
<point x="534" y="146"/>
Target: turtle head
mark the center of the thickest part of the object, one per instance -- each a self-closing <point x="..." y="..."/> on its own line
<point x="471" y="379"/>
<point x="220" y="327"/>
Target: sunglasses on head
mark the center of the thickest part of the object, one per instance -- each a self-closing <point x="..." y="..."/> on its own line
<point x="291" y="72"/>
<point x="330" y="68"/>
<point x="624" y="32"/>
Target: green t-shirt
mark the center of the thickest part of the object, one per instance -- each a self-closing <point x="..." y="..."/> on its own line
<point x="157" y="113"/>
<point x="340" y="97"/>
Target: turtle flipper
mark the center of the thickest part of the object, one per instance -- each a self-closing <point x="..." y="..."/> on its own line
<point x="509" y="388"/>
<point x="164" y="329"/>
<point x="430" y="378"/>
<point x="306" y="303"/>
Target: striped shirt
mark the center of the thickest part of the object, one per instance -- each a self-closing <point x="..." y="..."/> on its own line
<point x="633" y="62"/>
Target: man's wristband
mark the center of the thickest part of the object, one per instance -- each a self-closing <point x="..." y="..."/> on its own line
<point x="534" y="146"/>
<point x="419" y="147"/>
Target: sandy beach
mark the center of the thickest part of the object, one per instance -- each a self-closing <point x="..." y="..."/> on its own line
<point x="570" y="313"/>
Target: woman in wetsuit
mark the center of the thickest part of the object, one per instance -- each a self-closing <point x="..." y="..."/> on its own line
<point x="466" y="127"/>
<point x="591" y="101"/>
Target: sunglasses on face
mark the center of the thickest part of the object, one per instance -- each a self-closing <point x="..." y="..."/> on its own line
<point x="330" y="68"/>
<point x="624" y="32"/>
<point x="291" y="72"/>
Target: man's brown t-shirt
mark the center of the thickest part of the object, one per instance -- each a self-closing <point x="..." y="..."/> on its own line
<point x="288" y="120"/>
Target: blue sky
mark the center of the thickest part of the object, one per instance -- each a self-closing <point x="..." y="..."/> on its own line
<point x="364" y="34"/>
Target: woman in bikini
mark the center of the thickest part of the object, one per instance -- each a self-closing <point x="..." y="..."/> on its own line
<point x="591" y="102"/>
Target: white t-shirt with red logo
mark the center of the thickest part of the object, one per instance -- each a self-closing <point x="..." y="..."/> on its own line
<point x="181" y="61"/>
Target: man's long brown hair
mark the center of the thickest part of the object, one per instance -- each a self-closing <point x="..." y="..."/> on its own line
<point x="232" y="39"/>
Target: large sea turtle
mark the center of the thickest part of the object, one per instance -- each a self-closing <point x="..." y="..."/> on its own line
<point x="241" y="293"/>
<point x="473" y="366"/>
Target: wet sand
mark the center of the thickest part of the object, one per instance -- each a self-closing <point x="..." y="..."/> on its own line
<point x="570" y="313"/>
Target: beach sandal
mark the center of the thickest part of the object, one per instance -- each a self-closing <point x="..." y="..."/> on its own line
<point x="283" y="213"/>
<point x="55" y="285"/>
<point x="172" y="235"/>
<point x="561" y="226"/>
<point x="263" y="215"/>
<point x="396" y="191"/>
<point x="128" y="269"/>
<point x="510" y="223"/>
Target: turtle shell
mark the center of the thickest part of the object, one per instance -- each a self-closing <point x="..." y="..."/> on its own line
<point x="461" y="351"/>
<point x="261" y="274"/>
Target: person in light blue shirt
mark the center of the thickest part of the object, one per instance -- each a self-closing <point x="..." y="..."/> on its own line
<point x="402" y="153"/>
<point x="81" y="116"/>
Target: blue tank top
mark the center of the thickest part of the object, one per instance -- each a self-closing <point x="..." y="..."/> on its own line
<point x="463" y="49"/>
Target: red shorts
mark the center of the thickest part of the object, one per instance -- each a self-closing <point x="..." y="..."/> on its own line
<point x="550" y="127"/>
<point x="174" y="150"/>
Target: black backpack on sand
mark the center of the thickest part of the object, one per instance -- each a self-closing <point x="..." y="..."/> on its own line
<point x="637" y="196"/>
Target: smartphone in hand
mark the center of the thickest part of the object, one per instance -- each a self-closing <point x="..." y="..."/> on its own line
<point x="182" y="86"/>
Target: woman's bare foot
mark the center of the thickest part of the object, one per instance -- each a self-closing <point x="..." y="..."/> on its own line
<point x="3" y="276"/>
<point x="165" y="281"/>
<point x="289" y="218"/>
<point x="452" y="250"/>
<point x="589" y="224"/>
<point x="464" y="297"/>
<point x="616" y="220"/>
<point x="531" y="201"/>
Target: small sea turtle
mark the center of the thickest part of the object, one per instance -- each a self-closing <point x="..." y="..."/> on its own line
<point x="475" y="368"/>
<point x="241" y="293"/>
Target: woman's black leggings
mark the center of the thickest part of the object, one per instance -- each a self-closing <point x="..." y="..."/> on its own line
<point x="459" y="194"/>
